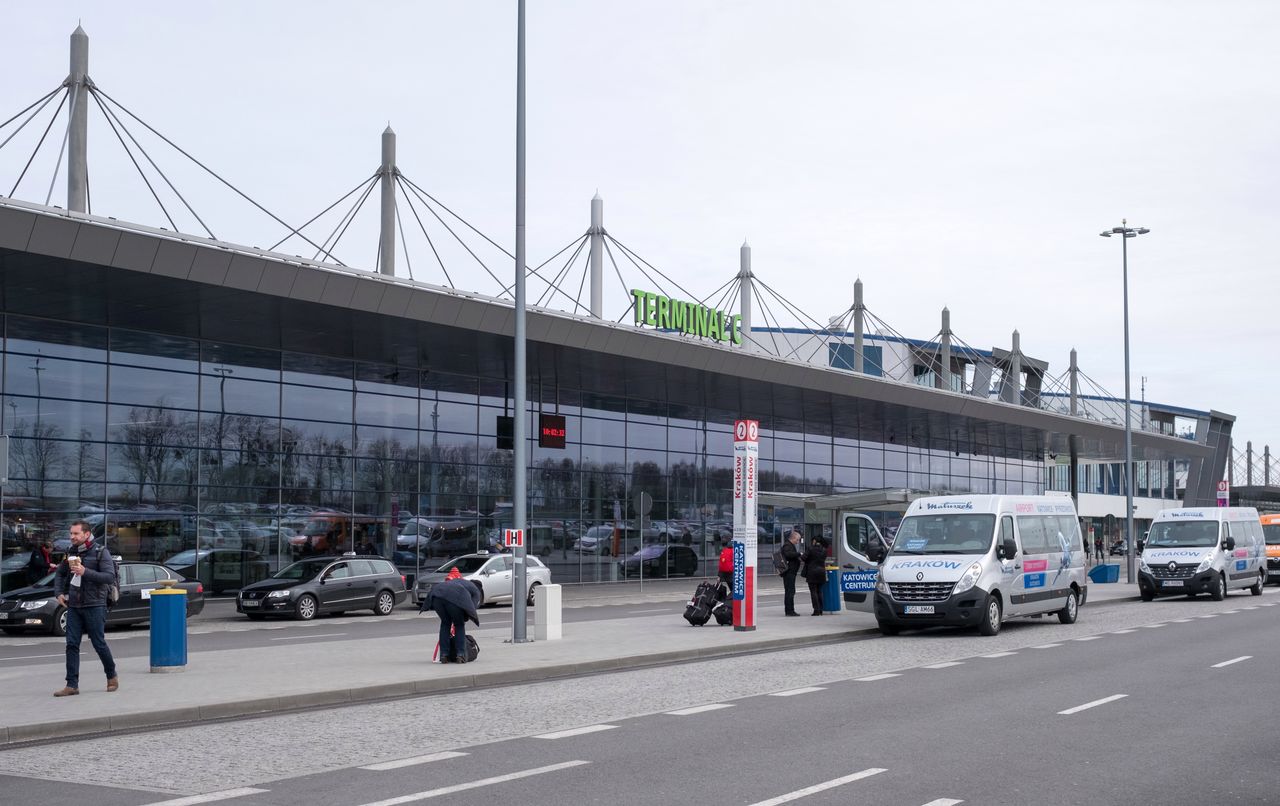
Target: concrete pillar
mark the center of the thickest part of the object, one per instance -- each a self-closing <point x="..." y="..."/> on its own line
<point x="1011" y="385"/>
<point x="1248" y="463"/>
<point x="387" y="233"/>
<point x="1074" y="375"/>
<point x="78" y="138"/>
<point x="596" y="262"/>
<point x="745" y="298"/>
<point x="858" y="311"/>
<point x="944" y="373"/>
<point x="547" y="619"/>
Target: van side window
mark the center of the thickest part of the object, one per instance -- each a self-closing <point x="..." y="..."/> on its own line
<point x="1032" y="530"/>
<point x="857" y="535"/>
<point x="1006" y="528"/>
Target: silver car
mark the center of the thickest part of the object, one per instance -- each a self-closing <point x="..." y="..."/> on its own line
<point x="495" y="573"/>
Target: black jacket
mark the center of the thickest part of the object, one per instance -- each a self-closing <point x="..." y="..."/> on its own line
<point x="791" y="556"/>
<point x="99" y="576"/>
<point x="815" y="564"/>
<point x="460" y="592"/>
<point x="38" y="565"/>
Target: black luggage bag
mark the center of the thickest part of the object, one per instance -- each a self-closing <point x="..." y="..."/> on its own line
<point x="698" y="611"/>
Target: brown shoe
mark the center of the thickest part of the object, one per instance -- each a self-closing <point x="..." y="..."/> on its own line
<point x="113" y="683"/>
<point x="66" y="691"/>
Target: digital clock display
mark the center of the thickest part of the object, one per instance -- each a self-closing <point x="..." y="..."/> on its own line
<point x="551" y="430"/>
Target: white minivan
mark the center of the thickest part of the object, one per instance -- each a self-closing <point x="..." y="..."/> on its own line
<point x="1203" y="550"/>
<point x="974" y="560"/>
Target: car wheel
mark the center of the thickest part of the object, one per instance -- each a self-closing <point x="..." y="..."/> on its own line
<point x="992" y="614"/>
<point x="1256" y="590"/>
<point x="1071" y="610"/>
<point x="305" y="609"/>
<point x="532" y="588"/>
<point x="886" y="628"/>
<point x="1219" y="591"/>
<point x="386" y="603"/>
<point x="256" y="616"/>
<point x="59" y="627"/>
<point x="604" y="551"/>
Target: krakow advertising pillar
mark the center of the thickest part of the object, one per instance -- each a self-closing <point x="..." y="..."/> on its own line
<point x="746" y="455"/>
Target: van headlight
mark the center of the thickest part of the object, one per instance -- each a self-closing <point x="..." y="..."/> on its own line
<point x="969" y="579"/>
<point x="1204" y="564"/>
<point x="882" y="586"/>
<point x="1142" y="565"/>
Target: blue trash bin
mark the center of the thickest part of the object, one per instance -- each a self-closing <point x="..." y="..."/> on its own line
<point x="168" y="629"/>
<point x="831" y="591"/>
<point x="1104" y="573"/>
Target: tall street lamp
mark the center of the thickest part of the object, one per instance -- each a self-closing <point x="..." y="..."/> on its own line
<point x="1126" y="232"/>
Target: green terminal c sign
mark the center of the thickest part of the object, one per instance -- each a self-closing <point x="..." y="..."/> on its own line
<point x="658" y="311"/>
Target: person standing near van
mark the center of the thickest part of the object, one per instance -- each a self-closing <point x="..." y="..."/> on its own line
<point x="815" y="571"/>
<point x="82" y="585"/>
<point x="791" y="556"/>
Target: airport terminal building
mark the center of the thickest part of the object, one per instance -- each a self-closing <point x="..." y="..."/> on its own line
<point x="184" y="394"/>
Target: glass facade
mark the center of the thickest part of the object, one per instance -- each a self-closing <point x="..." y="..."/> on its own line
<point x="232" y="460"/>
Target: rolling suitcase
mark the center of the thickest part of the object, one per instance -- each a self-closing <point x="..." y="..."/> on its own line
<point x="698" y="611"/>
<point x="723" y="613"/>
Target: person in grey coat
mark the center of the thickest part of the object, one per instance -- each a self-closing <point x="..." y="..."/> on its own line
<point x="454" y="601"/>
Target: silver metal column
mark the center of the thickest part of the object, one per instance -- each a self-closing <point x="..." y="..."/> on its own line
<point x="745" y="298"/>
<point x="944" y="374"/>
<point x="858" y="311"/>
<point x="1248" y="463"/>
<point x="1074" y="375"/>
<point x="387" y="235"/>
<point x="520" y="459"/>
<point x="78" y="140"/>
<point x="597" y="256"/>
<point x="1011" y="384"/>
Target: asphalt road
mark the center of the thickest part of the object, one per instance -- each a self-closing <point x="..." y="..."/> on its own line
<point x="1165" y="702"/>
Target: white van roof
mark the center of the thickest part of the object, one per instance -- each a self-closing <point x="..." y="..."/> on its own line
<point x="1217" y="514"/>
<point x="994" y="504"/>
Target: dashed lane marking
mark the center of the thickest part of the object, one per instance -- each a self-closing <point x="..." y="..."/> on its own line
<point x="497" y="779"/>
<point x="998" y="655"/>
<point x="564" y="734"/>
<point x="1044" y="646"/>
<point x="1153" y="626"/>
<point x="1087" y="638"/>
<point x="875" y="677"/>
<point x="409" y="762"/>
<point x="211" y="797"/>
<point x="700" y="709"/>
<point x="944" y="665"/>
<point x="1229" y="662"/>
<point x="822" y="787"/>
<point x="309" y="637"/>
<point x="944" y="802"/>
<point x="1122" y="632"/>
<point x="1093" y="704"/>
<point x="1181" y="621"/>
<point x="793" y="692"/>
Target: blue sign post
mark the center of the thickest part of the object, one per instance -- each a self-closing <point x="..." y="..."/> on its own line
<point x="739" y="571"/>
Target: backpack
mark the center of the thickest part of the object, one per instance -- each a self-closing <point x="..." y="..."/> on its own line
<point x="779" y="562"/>
<point x="113" y="592"/>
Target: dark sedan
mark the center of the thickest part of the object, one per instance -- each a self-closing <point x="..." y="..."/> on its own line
<point x="661" y="561"/>
<point x="318" y="585"/>
<point x="35" y="608"/>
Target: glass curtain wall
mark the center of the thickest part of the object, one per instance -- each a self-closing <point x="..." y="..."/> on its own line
<point x="227" y="462"/>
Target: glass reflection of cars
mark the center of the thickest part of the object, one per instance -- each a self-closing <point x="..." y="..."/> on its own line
<point x="36" y="608"/>
<point x="493" y="572"/>
<point x="661" y="561"/>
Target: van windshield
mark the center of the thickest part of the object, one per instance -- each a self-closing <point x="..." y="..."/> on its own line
<point x="1178" y="534"/>
<point x="944" y="534"/>
<point x="1272" y="531"/>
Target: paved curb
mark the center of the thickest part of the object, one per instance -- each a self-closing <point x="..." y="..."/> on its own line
<point x="14" y="735"/>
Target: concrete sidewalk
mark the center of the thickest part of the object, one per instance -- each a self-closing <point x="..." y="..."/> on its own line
<point x="263" y="680"/>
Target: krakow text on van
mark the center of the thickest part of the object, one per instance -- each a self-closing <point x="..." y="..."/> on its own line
<point x="1202" y="550"/>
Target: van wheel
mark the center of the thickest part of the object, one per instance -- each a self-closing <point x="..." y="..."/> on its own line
<point x="1146" y="593"/>
<point x="386" y="603"/>
<point x="886" y="628"/>
<point x="1256" y="590"/>
<point x="305" y="609"/>
<point x="1219" y="591"/>
<point x="1071" y="610"/>
<point x="993" y="613"/>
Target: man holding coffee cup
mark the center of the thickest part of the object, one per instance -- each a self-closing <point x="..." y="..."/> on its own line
<point x="82" y="584"/>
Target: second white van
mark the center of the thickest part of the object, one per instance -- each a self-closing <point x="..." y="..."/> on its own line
<point x="1209" y="550"/>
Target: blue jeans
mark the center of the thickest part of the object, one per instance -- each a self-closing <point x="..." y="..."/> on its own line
<point x="455" y="645"/>
<point x="91" y="621"/>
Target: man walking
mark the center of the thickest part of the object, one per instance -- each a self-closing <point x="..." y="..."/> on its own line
<point x="82" y="585"/>
<point x="790" y="555"/>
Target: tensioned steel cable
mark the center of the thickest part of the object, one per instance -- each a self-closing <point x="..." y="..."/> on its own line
<point x="627" y="249"/>
<point x="621" y="282"/>
<point x="730" y="281"/>
<point x="312" y="220"/>
<point x="57" y="165"/>
<point x="643" y="273"/>
<point x="422" y="227"/>
<point x="206" y="168"/>
<point x="138" y="145"/>
<point x="536" y="272"/>
<point x="355" y="210"/>
<point x="777" y="323"/>
<point x="554" y="285"/>
<point x="460" y="218"/>
<point x="35" y="151"/>
<point x="330" y="241"/>
<point x="142" y="174"/>
<point x="45" y="98"/>
<point x="461" y="242"/>
<point x="404" y="245"/>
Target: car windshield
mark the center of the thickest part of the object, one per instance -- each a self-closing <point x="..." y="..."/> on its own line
<point x="15" y="561"/>
<point x="1272" y="531"/>
<point x="186" y="557"/>
<point x="465" y="565"/>
<point x="1178" y="534"/>
<point x="303" y="571"/>
<point x="944" y="534"/>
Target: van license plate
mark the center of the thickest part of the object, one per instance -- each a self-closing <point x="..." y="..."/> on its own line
<point x="1172" y="583"/>
<point x="918" y="610"/>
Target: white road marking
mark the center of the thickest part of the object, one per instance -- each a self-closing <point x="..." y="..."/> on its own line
<point x="409" y="762"/>
<point x="33" y="657"/>
<point x="1181" y="621"/>
<point x="999" y="654"/>
<point x="497" y="779"/>
<point x="1087" y="638"/>
<point x="210" y="797"/>
<point x="638" y="612"/>
<point x="1042" y="646"/>
<point x="1229" y="662"/>
<point x="944" y="802"/>
<point x="700" y="709"/>
<point x="564" y="734"/>
<point x="308" y="637"/>
<point x="1122" y="632"/>
<point x="1153" y="626"/>
<point x="875" y="677"/>
<point x="822" y="787"/>
<point x="944" y="664"/>
<point x="1250" y="607"/>
<point x="793" y="692"/>
<point x="1207" y="615"/>
<point x="1093" y="704"/>
<point x="1228" y="612"/>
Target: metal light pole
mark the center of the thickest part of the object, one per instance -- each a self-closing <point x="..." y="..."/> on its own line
<point x="521" y="426"/>
<point x="1127" y="232"/>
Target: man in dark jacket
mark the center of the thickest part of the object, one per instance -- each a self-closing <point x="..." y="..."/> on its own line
<point x="454" y="601"/>
<point x="83" y="584"/>
<point x="41" y="562"/>
<point x="815" y="572"/>
<point x="791" y="555"/>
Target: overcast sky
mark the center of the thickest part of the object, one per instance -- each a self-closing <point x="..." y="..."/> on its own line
<point x="949" y="154"/>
